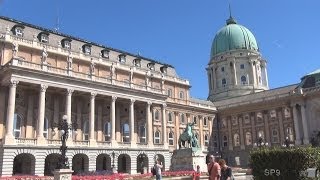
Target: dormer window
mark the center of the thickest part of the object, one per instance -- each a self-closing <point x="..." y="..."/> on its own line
<point x="43" y="37"/>
<point x="18" y="30"/>
<point x="66" y="43"/>
<point x="105" y="53"/>
<point x="163" y="69"/>
<point x="137" y="62"/>
<point x="122" y="58"/>
<point x="86" y="49"/>
<point x="151" y="66"/>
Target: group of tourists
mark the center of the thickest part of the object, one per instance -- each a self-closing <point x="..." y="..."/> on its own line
<point x="219" y="170"/>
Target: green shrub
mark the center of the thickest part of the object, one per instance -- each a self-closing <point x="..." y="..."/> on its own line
<point x="287" y="163"/>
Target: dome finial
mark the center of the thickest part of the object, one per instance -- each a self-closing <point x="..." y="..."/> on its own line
<point x="230" y="20"/>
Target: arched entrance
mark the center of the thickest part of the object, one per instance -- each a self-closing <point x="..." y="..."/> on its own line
<point x="51" y="163"/>
<point x="80" y="163"/>
<point x="124" y="163"/>
<point x="23" y="164"/>
<point x="161" y="158"/>
<point x="142" y="163"/>
<point x="103" y="162"/>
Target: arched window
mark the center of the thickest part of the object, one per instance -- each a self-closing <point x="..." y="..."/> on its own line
<point x="236" y="139"/>
<point x="195" y="119"/>
<point x="156" y="115"/>
<point x="45" y="127"/>
<point x="243" y="80"/>
<point x="248" y="138"/>
<point x="142" y="133"/>
<point x="125" y="132"/>
<point x="181" y="95"/>
<point x="205" y="123"/>
<point x="275" y="135"/>
<point x="182" y="120"/>
<point x="86" y="130"/>
<point x="225" y="141"/>
<point x="107" y="131"/>
<point x="289" y="132"/>
<point x="157" y="137"/>
<point x="170" y="92"/>
<point x="206" y="140"/>
<point x="170" y="119"/>
<point x="215" y="141"/>
<point x="223" y="82"/>
<point x="171" y="138"/>
<point x="17" y="125"/>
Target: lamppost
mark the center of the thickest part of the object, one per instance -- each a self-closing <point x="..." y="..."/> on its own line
<point x="260" y="142"/>
<point x="287" y="143"/>
<point x="64" y="128"/>
<point x="113" y="156"/>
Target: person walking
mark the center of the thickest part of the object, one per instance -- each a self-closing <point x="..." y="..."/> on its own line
<point x="226" y="171"/>
<point x="196" y="174"/>
<point x="213" y="169"/>
<point x="158" y="165"/>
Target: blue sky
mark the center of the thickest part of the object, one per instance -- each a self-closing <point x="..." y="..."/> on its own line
<point x="180" y="32"/>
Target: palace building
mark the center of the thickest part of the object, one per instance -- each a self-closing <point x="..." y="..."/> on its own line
<point x="126" y="110"/>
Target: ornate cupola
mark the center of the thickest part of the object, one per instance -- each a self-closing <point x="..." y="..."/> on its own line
<point x="235" y="67"/>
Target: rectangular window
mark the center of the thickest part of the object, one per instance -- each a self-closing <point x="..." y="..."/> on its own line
<point x="241" y="66"/>
<point x="67" y="44"/>
<point x="87" y="50"/>
<point x="19" y="32"/>
<point x="44" y="38"/>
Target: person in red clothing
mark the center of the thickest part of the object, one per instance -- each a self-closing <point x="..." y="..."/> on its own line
<point x="214" y="169"/>
<point x="197" y="174"/>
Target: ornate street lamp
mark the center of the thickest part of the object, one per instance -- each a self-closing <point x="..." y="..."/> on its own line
<point x="287" y="143"/>
<point x="64" y="128"/>
<point x="260" y="142"/>
<point x="113" y="156"/>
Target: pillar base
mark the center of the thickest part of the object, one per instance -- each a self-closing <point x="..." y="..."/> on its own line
<point x="133" y="144"/>
<point x="69" y="142"/>
<point x="41" y="141"/>
<point x="9" y="140"/>
<point x="62" y="174"/>
<point x="92" y="143"/>
<point x="298" y="142"/>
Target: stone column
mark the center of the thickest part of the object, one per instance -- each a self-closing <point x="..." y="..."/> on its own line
<point x="149" y="123"/>
<point x="113" y="119"/>
<point x="100" y="125"/>
<point x="41" y="114"/>
<point x="267" y="131"/>
<point x="296" y="125"/>
<point x="56" y="116"/>
<point x="201" y="134"/>
<point x="68" y="113"/>
<point x="242" y="146"/>
<point x="266" y="74"/>
<point x="253" y="73"/>
<point x="92" y="139"/>
<point x="282" y="135"/>
<point x="79" y="120"/>
<point x="304" y="124"/>
<point x="164" y="126"/>
<point x="29" y="128"/>
<point x="68" y="105"/>
<point x="9" y="138"/>
<point x="214" y="77"/>
<point x="230" y="135"/>
<point x="131" y="120"/>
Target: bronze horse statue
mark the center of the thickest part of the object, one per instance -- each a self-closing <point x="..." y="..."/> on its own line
<point x="187" y="135"/>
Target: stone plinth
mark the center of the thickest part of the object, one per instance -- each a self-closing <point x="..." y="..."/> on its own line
<point x="62" y="174"/>
<point x="188" y="159"/>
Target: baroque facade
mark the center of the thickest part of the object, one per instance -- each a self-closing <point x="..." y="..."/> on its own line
<point x="128" y="110"/>
<point x="247" y="109"/>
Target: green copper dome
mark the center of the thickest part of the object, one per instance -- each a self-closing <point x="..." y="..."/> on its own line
<point x="233" y="36"/>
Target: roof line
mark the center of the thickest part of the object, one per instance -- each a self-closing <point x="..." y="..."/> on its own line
<point x="80" y="39"/>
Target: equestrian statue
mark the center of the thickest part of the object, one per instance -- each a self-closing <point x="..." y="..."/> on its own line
<point x="188" y="136"/>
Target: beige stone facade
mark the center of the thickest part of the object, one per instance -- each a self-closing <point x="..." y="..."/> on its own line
<point x="123" y="104"/>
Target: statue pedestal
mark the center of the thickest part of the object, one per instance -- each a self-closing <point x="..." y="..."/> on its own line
<point x="62" y="174"/>
<point x="188" y="159"/>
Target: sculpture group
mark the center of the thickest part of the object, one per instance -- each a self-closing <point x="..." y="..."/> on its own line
<point x="188" y="136"/>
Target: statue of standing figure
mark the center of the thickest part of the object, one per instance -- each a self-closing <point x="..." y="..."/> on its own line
<point x="44" y="54"/>
<point x="15" y="49"/>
